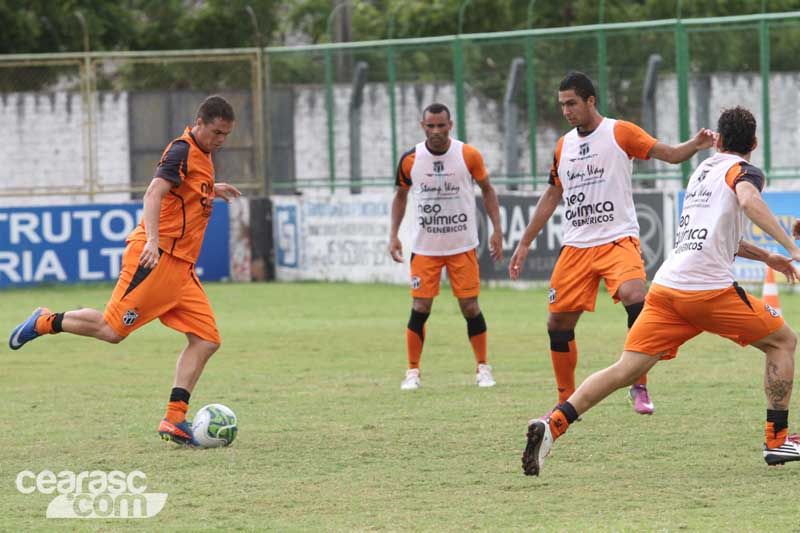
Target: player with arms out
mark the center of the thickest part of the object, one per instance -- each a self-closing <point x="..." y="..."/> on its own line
<point x="592" y="172"/>
<point x="695" y="291"/>
<point x="440" y="173"/>
<point x="157" y="278"/>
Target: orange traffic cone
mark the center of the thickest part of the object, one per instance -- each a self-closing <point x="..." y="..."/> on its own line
<point x="770" y="292"/>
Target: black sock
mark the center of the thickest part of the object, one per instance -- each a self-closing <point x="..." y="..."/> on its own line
<point x="57" y="322"/>
<point x="416" y="323"/>
<point x="476" y="325"/>
<point x="179" y="395"/>
<point x="779" y="419"/>
<point x="569" y="411"/>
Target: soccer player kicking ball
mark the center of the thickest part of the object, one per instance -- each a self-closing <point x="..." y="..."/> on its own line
<point x="157" y="278"/>
<point x="694" y="291"/>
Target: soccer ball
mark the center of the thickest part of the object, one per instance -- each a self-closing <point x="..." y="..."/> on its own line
<point x="214" y="425"/>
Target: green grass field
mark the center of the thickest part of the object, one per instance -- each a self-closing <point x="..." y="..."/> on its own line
<point x="328" y="441"/>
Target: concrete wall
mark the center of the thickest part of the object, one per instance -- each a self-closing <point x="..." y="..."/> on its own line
<point x="44" y="141"/>
<point x="43" y="144"/>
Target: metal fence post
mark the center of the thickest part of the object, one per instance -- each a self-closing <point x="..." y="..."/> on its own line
<point x="258" y="106"/>
<point x="392" y="71"/>
<point x="602" y="74"/>
<point x="682" y="63"/>
<point x="330" y="115"/>
<point x="530" y="91"/>
<point x="458" y="71"/>
<point x="764" y="52"/>
<point x="87" y="90"/>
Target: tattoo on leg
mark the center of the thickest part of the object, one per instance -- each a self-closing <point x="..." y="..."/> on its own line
<point x="778" y="390"/>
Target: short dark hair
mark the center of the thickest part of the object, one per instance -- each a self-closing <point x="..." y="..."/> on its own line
<point x="737" y="127"/>
<point x="578" y="82"/>
<point x="435" y="109"/>
<point x="215" y="107"/>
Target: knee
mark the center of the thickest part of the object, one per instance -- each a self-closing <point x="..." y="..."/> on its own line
<point x="632" y="292"/>
<point x="786" y="341"/>
<point x="559" y="323"/>
<point x="110" y="336"/>
<point x="791" y="341"/>
<point x="626" y="375"/>
<point x="469" y="308"/>
<point x="114" y="339"/>
<point x="211" y="348"/>
<point x="422" y="305"/>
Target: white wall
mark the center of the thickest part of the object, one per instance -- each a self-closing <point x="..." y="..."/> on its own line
<point x="43" y="144"/>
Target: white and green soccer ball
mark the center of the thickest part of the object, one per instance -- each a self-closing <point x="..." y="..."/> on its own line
<point x="214" y="425"/>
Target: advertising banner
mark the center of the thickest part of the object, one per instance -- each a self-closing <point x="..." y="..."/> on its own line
<point x="83" y="243"/>
<point x="516" y="211"/>
<point x="336" y="238"/>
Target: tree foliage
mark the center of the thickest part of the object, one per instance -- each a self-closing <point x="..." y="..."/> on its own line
<point x="45" y="26"/>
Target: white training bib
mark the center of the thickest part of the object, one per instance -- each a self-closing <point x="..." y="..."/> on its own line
<point x="444" y="202"/>
<point x="709" y="230"/>
<point x="595" y="173"/>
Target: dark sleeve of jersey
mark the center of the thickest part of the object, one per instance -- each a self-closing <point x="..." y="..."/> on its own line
<point x="753" y="174"/>
<point x="553" y="172"/>
<point x="401" y="179"/>
<point x="173" y="164"/>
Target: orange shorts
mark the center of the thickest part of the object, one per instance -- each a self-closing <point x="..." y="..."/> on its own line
<point x="462" y="269"/>
<point x="576" y="276"/>
<point x="671" y="317"/>
<point x="170" y="292"/>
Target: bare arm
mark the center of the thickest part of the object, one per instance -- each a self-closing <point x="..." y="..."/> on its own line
<point x="681" y="152"/>
<point x="398" y="211"/>
<point x="493" y="210"/>
<point x="544" y="210"/>
<point x="155" y="193"/>
<point x="757" y="211"/>
<point x="777" y="262"/>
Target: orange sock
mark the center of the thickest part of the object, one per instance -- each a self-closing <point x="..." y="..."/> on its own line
<point x="476" y="330"/>
<point x="49" y="322"/>
<point x="176" y="412"/>
<point x="415" y="337"/>
<point x="479" y="347"/>
<point x="558" y="424"/>
<point x="774" y="439"/>
<point x="414" y="347"/>
<point x="642" y="380"/>
<point x="564" y="354"/>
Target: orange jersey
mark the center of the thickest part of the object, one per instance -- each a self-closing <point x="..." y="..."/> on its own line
<point x="185" y="210"/>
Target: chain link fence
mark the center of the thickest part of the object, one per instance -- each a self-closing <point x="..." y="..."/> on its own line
<point x="338" y="116"/>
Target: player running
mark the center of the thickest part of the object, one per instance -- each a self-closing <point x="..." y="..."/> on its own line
<point x="694" y="291"/>
<point x="157" y="278"/>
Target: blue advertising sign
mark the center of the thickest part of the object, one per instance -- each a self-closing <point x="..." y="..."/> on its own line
<point x="786" y="206"/>
<point x="82" y="243"/>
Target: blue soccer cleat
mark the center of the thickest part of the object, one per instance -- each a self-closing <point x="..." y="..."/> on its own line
<point x="26" y="331"/>
<point x="180" y="433"/>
